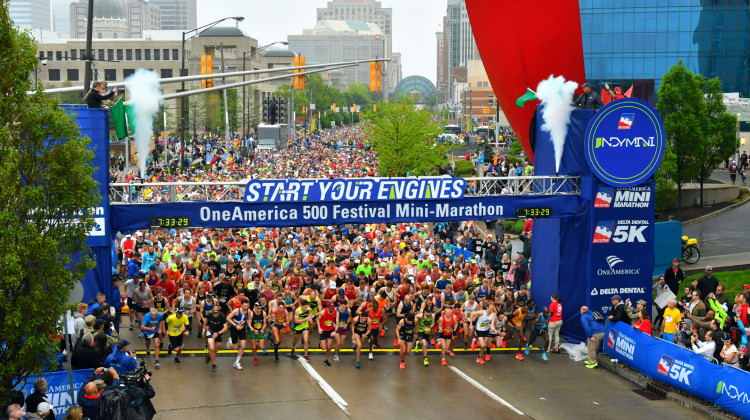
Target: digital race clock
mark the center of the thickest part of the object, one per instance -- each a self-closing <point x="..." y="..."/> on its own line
<point x="169" y="222"/>
<point x="533" y="212"/>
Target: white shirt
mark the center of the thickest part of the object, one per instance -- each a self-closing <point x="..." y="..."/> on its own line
<point x="705" y="349"/>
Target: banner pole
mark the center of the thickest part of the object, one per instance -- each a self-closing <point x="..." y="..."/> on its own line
<point x="70" y="360"/>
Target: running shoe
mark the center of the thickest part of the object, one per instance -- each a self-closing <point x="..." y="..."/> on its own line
<point x="131" y="327"/>
<point x="369" y="356"/>
<point x="177" y="360"/>
<point x="287" y="328"/>
<point x="169" y="349"/>
<point x="264" y="351"/>
<point x="395" y="342"/>
<point x="487" y="357"/>
<point x="326" y="362"/>
<point x="307" y="357"/>
<point x="200" y="334"/>
<point x="208" y="359"/>
<point x="156" y="364"/>
<point x="403" y="365"/>
<point x="555" y="350"/>
<point x="336" y="359"/>
<point x="382" y="333"/>
<point x="237" y="366"/>
<point x="161" y="346"/>
<point x="276" y="357"/>
<point x="526" y="351"/>
<point x="452" y="353"/>
<point x="438" y="345"/>
<point x="444" y="363"/>
<point x="357" y="364"/>
<point x="293" y="356"/>
<point x="492" y="345"/>
<point x="544" y="356"/>
<point x="426" y="362"/>
<point x="148" y="354"/>
<point x="213" y="368"/>
<point x="205" y="347"/>
<point x="229" y="344"/>
<point x="255" y="361"/>
<point x="593" y="365"/>
<point x="502" y="342"/>
<point x="432" y="341"/>
<point x="519" y="357"/>
<point x="480" y="360"/>
<point x="474" y="344"/>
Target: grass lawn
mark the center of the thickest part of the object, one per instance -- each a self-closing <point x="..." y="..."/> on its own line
<point x="731" y="280"/>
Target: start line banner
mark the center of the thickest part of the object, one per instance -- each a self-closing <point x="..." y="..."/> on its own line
<point x="129" y="217"/>
<point x="725" y="386"/>
<point x="360" y="189"/>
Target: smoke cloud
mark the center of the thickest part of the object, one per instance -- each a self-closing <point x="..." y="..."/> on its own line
<point x="557" y="97"/>
<point x="145" y="96"/>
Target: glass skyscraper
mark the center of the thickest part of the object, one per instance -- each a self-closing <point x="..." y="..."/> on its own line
<point x="634" y="42"/>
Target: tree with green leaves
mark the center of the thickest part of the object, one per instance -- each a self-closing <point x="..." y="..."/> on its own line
<point x="47" y="178"/>
<point x="404" y="138"/>
<point x="699" y="131"/>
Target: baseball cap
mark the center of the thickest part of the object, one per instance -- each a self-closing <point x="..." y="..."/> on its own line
<point x="641" y="301"/>
<point x="258" y="304"/>
<point x="746" y="286"/>
<point x="180" y="310"/>
<point x="43" y="407"/>
<point x="341" y="292"/>
<point x="616" y="297"/>
<point x="89" y="319"/>
<point x="708" y="268"/>
<point x="216" y="309"/>
<point x="587" y="84"/>
<point x="210" y="294"/>
<point x="122" y="343"/>
<point x="152" y="267"/>
<point x="519" y="252"/>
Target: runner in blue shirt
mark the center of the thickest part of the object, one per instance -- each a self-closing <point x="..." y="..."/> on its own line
<point x="150" y="328"/>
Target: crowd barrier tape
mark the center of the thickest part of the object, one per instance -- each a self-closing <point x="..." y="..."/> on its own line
<point x="725" y="386"/>
<point x="58" y="388"/>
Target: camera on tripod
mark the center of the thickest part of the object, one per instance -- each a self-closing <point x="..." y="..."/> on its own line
<point x="137" y="376"/>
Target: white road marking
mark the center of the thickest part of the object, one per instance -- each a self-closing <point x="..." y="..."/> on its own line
<point x="482" y="388"/>
<point x="332" y="394"/>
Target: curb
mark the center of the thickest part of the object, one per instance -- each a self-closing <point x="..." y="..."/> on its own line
<point x="717" y="212"/>
<point x="699" y="406"/>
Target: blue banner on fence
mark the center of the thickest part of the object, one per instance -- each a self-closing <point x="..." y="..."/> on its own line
<point x="726" y="386"/>
<point x="58" y="388"/>
<point x="129" y="217"/>
<point x="621" y="254"/>
<point x="364" y="189"/>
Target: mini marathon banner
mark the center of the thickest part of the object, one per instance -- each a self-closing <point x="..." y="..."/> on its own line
<point x="58" y="388"/>
<point x="129" y="217"/>
<point x="365" y="189"/>
<point x="622" y="245"/>
<point x="725" y="386"/>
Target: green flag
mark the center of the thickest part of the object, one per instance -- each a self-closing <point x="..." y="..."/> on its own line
<point x="130" y="110"/>
<point x="118" y="117"/>
<point x="530" y="95"/>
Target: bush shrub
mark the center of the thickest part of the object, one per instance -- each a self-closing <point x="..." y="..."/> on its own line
<point x="464" y="169"/>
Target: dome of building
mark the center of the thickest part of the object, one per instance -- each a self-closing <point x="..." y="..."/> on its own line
<point x="279" y="53"/>
<point x="108" y="9"/>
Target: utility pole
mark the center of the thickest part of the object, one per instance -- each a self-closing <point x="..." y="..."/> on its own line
<point x="226" y="105"/>
<point x="89" y="47"/>
<point x="471" y="109"/>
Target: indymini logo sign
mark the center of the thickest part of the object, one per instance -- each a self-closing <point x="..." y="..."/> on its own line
<point x="621" y="152"/>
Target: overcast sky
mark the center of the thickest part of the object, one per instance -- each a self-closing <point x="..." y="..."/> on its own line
<point x="414" y="24"/>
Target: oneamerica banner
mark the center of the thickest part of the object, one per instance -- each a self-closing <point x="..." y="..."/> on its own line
<point x="361" y="189"/>
<point x="725" y="386"/>
<point x="129" y="217"/>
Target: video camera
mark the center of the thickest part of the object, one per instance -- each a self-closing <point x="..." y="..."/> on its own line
<point x="137" y="376"/>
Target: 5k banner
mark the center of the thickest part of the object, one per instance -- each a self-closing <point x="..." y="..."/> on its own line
<point x="622" y="245"/>
<point x="726" y="386"/>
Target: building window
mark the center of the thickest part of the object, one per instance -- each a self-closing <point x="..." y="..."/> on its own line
<point x="58" y="55"/>
<point x="147" y="54"/>
<point x="73" y="75"/>
<point x="128" y="54"/>
<point x="111" y="54"/>
<point x="119" y="54"/>
<point x="166" y="73"/>
<point x="74" y="54"/>
<point x="138" y="54"/>
<point x="41" y="55"/>
<point x="82" y="53"/>
<point x="175" y="54"/>
<point x="166" y="54"/>
<point x="99" y="35"/>
<point x="157" y="54"/>
<point x="54" y="75"/>
<point x="110" y="75"/>
<point x="127" y="73"/>
<point x="100" y="54"/>
<point x="49" y="55"/>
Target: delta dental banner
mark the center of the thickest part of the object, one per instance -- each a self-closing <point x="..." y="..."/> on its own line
<point x="363" y="189"/>
<point x="127" y="218"/>
<point x="725" y="386"/>
<point x="58" y="388"/>
<point x="622" y="244"/>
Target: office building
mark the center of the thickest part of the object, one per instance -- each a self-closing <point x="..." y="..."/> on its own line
<point x="179" y="15"/>
<point x="635" y="43"/>
<point x="367" y="11"/>
<point x="333" y="41"/>
<point x="31" y="13"/>
<point x="459" y="46"/>
<point x="61" y="17"/>
<point x="141" y="16"/>
<point x="110" y="21"/>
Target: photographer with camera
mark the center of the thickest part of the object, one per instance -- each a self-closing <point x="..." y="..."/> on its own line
<point x="131" y="400"/>
<point x="121" y="359"/>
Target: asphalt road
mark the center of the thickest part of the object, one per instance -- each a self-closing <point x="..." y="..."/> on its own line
<point x="504" y="388"/>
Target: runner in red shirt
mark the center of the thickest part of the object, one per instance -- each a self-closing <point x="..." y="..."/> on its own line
<point x="376" y="317"/>
<point x="328" y="319"/>
<point x="446" y="326"/>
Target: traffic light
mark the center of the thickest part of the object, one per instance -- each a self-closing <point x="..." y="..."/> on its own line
<point x="354" y="107"/>
<point x="207" y="68"/>
<point x="374" y="107"/>
<point x="295" y="83"/>
<point x="373" y="77"/>
<point x="333" y="107"/>
<point x="302" y="78"/>
<point x="379" y="76"/>
<point x="485" y="110"/>
<point x="304" y="109"/>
